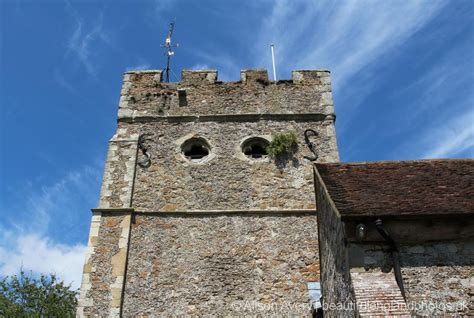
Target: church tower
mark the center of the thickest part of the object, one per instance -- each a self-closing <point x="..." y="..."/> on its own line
<point x="195" y="217"/>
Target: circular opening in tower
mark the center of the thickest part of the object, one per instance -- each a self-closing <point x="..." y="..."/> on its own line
<point x="196" y="149"/>
<point x="255" y="147"/>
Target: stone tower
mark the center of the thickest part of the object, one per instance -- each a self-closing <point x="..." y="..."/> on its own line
<point x="194" y="217"/>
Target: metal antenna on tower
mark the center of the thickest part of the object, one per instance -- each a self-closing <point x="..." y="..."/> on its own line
<point x="168" y="51"/>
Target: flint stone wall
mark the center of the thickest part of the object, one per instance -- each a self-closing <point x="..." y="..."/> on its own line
<point x="440" y="290"/>
<point x="336" y="282"/>
<point x="438" y="277"/>
<point x="229" y="180"/>
<point x="188" y="265"/>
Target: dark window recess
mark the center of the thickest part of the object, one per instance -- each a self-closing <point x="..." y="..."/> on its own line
<point x="183" y="101"/>
<point x="196" y="152"/>
<point x="255" y="151"/>
<point x="195" y="149"/>
<point x="255" y="148"/>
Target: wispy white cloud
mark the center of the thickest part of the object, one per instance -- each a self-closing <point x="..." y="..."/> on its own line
<point x="161" y="13"/>
<point x="142" y="66"/>
<point x="440" y="122"/>
<point x="41" y="233"/>
<point x="440" y="116"/>
<point x="42" y="255"/>
<point x="447" y="82"/>
<point x="61" y="201"/>
<point x="200" y="67"/>
<point x="61" y="80"/>
<point x="84" y="41"/>
<point x="228" y="68"/>
<point x="451" y="138"/>
<point x="163" y="5"/>
<point x="344" y="37"/>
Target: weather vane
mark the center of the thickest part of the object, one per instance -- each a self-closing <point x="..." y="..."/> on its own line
<point x="169" y="51"/>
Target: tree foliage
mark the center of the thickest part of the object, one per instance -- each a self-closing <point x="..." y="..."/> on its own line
<point x="282" y="143"/>
<point x="23" y="295"/>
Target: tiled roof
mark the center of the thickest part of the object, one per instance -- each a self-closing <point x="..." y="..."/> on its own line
<point x="423" y="187"/>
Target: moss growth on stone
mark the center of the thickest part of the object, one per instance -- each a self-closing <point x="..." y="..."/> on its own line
<point x="282" y="143"/>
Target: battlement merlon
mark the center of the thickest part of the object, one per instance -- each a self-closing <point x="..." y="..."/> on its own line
<point x="145" y="96"/>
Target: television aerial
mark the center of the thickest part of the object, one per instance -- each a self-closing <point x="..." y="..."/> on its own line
<point x="168" y="47"/>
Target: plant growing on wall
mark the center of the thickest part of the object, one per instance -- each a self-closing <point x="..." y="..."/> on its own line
<point x="282" y="143"/>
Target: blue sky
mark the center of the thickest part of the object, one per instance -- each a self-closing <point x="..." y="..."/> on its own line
<point x="402" y="71"/>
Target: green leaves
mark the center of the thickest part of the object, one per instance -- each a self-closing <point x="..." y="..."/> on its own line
<point x="282" y="143"/>
<point x="26" y="296"/>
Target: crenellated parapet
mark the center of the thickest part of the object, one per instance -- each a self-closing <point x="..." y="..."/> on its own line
<point x="145" y="96"/>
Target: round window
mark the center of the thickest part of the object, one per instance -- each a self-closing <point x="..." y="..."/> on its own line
<point x="255" y="147"/>
<point x="196" y="149"/>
